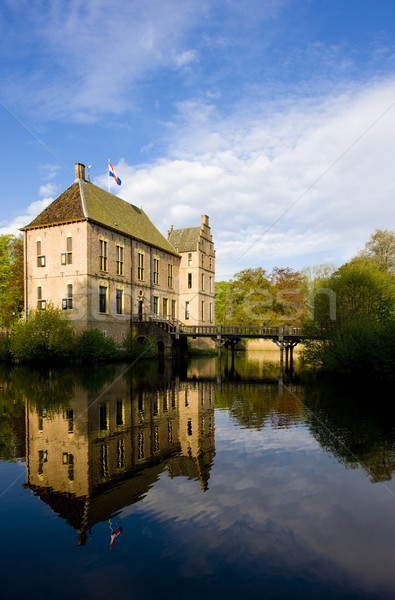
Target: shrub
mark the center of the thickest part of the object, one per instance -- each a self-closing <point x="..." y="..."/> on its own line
<point x="5" y="347"/>
<point x="93" y="345"/>
<point x="135" y="347"/>
<point x="47" y="335"/>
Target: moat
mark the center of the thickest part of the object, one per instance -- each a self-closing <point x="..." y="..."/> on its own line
<point x="170" y="479"/>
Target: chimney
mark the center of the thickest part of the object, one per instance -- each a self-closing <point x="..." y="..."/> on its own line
<point x="79" y="171"/>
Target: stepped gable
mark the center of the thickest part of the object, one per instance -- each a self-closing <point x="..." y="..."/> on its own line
<point x="65" y="208"/>
<point x="185" y="240"/>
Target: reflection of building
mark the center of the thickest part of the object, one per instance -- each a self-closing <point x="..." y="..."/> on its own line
<point x="92" y="458"/>
<point x="102" y="260"/>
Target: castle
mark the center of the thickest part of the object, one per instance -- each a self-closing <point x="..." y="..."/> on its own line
<point x="103" y="262"/>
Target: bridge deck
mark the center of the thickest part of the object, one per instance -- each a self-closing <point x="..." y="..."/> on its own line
<point x="179" y="330"/>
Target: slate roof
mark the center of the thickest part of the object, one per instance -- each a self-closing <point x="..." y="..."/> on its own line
<point x="84" y="201"/>
<point x="185" y="240"/>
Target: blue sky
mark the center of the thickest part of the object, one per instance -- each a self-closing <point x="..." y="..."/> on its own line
<point x="274" y="117"/>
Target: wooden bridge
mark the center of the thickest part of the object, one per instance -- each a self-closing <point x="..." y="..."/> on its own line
<point x="284" y="336"/>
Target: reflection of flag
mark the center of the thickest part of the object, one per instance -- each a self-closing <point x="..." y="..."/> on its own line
<point x="112" y="173"/>
<point x="114" y="536"/>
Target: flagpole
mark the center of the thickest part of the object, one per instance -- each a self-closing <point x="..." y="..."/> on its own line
<point x="108" y="175"/>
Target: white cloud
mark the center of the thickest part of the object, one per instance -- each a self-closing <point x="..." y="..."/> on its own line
<point x="101" y="53"/>
<point x="48" y="189"/>
<point x="21" y="221"/>
<point x="312" y="180"/>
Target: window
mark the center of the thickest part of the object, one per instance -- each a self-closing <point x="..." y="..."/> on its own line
<point x="119" y="413"/>
<point x="66" y="258"/>
<point x="140" y="266"/>
<point x="103" y="417"/>
<point x="170" y="275"/>
<point x="42" y="458"/>
<point x="190" y="259"/>
<point x="119" y="259"/>
<point x="40" y="302"/>
<point x="69" y="416"/>
<point x="103" y="255"/>
<point x="68" y="301"/>
<point x="121" y="454"/>
<point x="210" y="284"/>
<point x="210" y="264"/>
<point x="156" y="438"/>
<point x="173" y="308"/>
<point x="40" y="257"/>
<point x="189" y="281"/>
<point x="165" y="307"/>
<point x="119" y="302"/>
<point x="211" y="311"/>
<point x="189" y="426"/>
<point x="202" y="261"/>
<point x="202" y="310"/>
<point x="186" y="311"/>
<point x="140" y="446"/>
<point x="103" y="299"/>
<point x="68" y="459"/>
<point x="155" y="305"/>
<point x="156" y="270"/>
<point x="202" y="281"/>
<point x="103" y="460"/>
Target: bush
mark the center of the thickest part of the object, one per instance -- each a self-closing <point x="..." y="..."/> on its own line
<point x="135" y="347"/>
<point x="47" y="335"/>
<point x="93" y="345"/>
<point x="361" y="348"/>
<point x="5" y="347"/>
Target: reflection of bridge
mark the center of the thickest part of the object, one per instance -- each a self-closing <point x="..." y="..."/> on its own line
<point x="284" y="336"/>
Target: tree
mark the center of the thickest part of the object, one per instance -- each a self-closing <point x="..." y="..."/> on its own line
<point x="250" y="298"/>
<point x="11" y="279"/>
<point x="222" y="289"/>
<point x="358" y="337"/>
<point x="288" y="300"/>
<point x="381" y="248"/>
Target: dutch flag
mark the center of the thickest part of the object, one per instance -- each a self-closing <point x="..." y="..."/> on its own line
<point x="112" y="173"/>
<point x="114" y="536"/>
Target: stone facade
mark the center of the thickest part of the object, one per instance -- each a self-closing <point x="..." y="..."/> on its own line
<point x="103" y="261"/>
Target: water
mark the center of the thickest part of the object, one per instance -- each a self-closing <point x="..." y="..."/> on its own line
<point x="223" y="487"/>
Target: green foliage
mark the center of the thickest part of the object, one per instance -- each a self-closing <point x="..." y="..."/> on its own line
<point x="47" y="335"/>
<point x="354" y="312"/>
<point x="135" y="347"/>
<point x="253" y="297"/>
<point x="222" y="289"/>
<point x="93" y="345"/>
<point x="381" y="249"/>
<point x="11" y="279"/>
<point x="5" y="347"/>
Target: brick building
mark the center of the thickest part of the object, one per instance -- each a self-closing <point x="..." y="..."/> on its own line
<point x="104" y="262"/>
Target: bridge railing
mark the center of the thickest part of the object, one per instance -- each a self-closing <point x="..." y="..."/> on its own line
<point x="174" y="326"/>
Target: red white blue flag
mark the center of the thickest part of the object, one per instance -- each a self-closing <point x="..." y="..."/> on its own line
<point x="115" y="535"/>
<point x="112" y="173"/>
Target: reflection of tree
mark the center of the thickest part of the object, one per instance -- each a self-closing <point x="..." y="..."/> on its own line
<point x="356" y="431"/>
<point x="255" y="405"/>
<point x="12" y="421"/>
